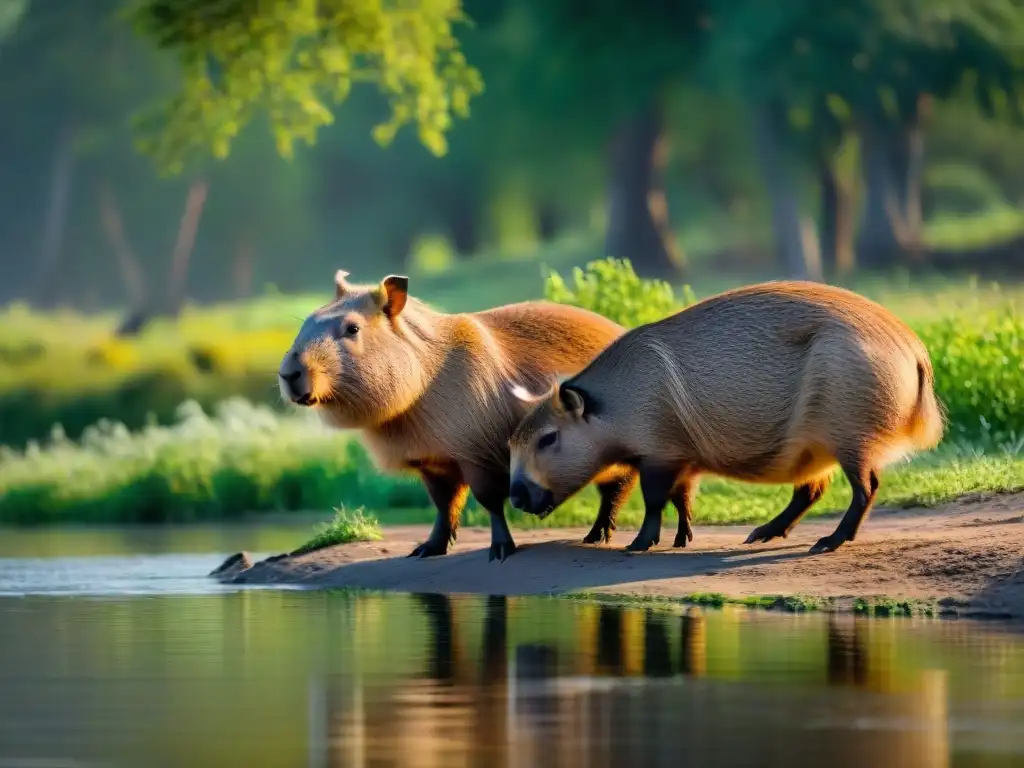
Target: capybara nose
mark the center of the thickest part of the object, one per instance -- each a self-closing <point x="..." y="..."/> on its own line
<point x="519" y="495"/>
<point x="293" y="382"/>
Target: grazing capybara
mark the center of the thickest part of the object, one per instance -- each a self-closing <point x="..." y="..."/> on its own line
<point x="773" y="383"/>
<point x="432" y="392"/>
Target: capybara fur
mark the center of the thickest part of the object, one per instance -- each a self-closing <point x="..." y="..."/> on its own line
<point x="433" y="392"/>
<point x="773" y="383"/>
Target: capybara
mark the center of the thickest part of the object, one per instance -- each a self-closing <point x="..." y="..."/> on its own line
<point x="432" y="392"/>
<point x="773" y="383"/>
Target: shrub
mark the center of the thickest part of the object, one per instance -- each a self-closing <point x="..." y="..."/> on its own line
<point x="611" y="288"/>
<point x="241" y="459"/>
<point x="979" y="373"/>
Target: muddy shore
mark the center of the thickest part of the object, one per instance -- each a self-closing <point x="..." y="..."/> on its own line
<point x="968" y="554"/>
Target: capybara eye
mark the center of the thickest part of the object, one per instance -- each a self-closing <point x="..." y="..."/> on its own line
<point x="351" y="329"/>
<point x="547" y="441"/>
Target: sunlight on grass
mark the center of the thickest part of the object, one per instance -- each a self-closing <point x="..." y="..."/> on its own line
<point x="346" y="527"/>
<point x="930" y="480"/>
<point x="179" y="451"/>
<point x="974" y="230"/>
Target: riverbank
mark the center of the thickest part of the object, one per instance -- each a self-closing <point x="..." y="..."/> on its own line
<point x="967" y="555"/>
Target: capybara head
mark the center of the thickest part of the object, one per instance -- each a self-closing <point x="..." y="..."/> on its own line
<point x="355" y="358"/>
<point x="556" y="449"/>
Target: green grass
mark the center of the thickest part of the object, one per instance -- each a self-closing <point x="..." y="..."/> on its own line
<point x="49" y="375"/>
<point x="960" y="232"/>
<point x="216" y="458"/>
<point x="888" y="606"/>
<point x="245" y="458"/>
<point x="344" y="528"/>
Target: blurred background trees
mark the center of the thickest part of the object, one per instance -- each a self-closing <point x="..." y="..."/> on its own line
<point x="155" y="151"/>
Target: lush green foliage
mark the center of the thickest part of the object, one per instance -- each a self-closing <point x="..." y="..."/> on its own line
<point x="246" y="459"/>
<point x="48" y="376"/>
<point x="611" y="288"/>
<point x="250" y="458"/>
<point x="979" y="372"/>
<point x="287" y="60"/>
<point x="344" y="528"/>
<point x="532" y="161"/>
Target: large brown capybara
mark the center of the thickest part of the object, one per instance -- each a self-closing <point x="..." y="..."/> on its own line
<point x="773" y="383"/>
<point x="433" y="392"/>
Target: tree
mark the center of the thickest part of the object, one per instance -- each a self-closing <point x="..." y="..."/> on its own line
<point x="601" y="69"/>
<point x="91" y="68"/>
<point x="865" y="66"/>
<point x="240" y="58"/>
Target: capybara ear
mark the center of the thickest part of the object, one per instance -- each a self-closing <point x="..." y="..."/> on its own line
<point x="396" y="292"/>
<point x="572" y="400"/>
<point x="340" y="286"/>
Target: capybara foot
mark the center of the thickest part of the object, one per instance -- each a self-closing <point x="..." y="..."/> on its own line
<point x="600" y="533"/>
<point x="683" y="537"/>
<point x="432" y="548"/>
<point x="500" y="550"/>
<point x="828" y="544"/>
<point x="765" y="533"/>
<point x="642" y="542"/>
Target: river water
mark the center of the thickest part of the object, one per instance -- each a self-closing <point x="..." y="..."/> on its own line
<point x="116" y="650"/>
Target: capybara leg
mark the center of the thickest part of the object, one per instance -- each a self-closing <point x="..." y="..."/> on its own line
<point x="804" y="497"/>
<point x="448" y="493"/>
<point x="491" y="489"/>
<point x="656" y="485"/>
<point x="682" y="499"/>
<point x="865" y="489"/>
<point x="613" y="494"/>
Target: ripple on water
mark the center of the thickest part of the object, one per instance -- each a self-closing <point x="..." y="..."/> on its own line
<point x="125" y="575"/>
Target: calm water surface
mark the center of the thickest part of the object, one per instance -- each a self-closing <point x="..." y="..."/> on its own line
<point x="115" y="650"/>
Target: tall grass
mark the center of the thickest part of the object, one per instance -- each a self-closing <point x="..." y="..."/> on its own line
<point x="344" y="528"/>
<point x="246" y="458"/>
<point x="66" y="368"/>
<point x="236" y="457"/>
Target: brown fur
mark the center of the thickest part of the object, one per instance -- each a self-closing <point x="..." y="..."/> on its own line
<point x="772" y="383"/>
<point x="433" y="391"/>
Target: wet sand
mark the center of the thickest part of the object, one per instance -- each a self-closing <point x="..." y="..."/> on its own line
<point x="968" y="554"/>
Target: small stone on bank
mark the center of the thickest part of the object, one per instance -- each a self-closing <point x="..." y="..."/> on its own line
<point x="238" y="562"/>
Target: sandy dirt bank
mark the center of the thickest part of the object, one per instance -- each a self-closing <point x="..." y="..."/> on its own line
<point x="969" y="554"/>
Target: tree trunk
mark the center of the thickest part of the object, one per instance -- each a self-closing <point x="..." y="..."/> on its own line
<point x="113" y="228"/>
<point x="909" y="148"/>
<point x="790" y="240"/>
<point x="877" y="245"/>
<point x="45" y="287"/>
<point x="893" y="161"/>
<point x="549" y="222"/>
<point x="836" y="238"/>
<point x="186" y="241"/>
<point x="241" y="267"/>
<point x="638" y="225"/>
<point x="464" y="222"/>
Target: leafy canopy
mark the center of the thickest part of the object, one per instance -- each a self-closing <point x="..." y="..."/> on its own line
<point x="290" y="58"/>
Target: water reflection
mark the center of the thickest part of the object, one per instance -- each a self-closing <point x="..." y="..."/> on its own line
<point x="531" y="705"/>
<point x="319" y="679"/>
